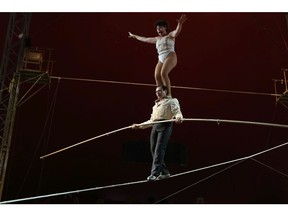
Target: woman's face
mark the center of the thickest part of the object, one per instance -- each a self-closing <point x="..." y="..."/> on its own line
<point x="161" y="30"/>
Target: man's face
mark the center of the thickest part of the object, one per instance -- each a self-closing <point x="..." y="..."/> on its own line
<point x="160" y="93"/>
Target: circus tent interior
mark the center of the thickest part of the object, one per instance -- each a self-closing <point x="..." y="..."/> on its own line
<point x="230" y="66"/>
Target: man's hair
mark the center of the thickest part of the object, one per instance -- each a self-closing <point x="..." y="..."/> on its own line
<point x="164" y="88"/>
<point x="162" y="23"/>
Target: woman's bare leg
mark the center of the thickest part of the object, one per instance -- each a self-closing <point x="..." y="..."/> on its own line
<point x="157" y="74"/>
<point x="169" y="63"/>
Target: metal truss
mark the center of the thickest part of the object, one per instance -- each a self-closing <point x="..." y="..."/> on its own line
<point x="16" y="40"/>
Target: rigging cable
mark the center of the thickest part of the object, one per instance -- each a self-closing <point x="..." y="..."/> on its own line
<point x="179" y="87"/>
<point x="144" y="181"/>
<point x="214" y="174"/>
<point x="49" y="116"/>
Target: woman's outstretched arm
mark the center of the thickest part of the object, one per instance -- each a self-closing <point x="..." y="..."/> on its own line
<point x="178" y="29"/>
<point x="143" y="39"/>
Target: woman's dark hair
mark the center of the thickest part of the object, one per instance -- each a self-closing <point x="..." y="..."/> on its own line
<point x="162" y="23"/>
<point x="164" y="88"/>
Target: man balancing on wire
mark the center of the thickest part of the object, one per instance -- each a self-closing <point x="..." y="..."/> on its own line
<point x="164" y="109"/>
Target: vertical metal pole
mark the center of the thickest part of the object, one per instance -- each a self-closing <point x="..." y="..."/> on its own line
<point x="285" y="79"/>
<point x="275" y="90"/>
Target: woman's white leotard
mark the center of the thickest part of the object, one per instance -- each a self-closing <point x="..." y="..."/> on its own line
<point x="164" y="46"/>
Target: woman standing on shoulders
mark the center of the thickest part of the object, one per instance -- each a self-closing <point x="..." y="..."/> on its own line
<point x="165" y="45"/>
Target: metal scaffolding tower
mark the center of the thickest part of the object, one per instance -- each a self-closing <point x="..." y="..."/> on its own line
<point x="16" y="40"/>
